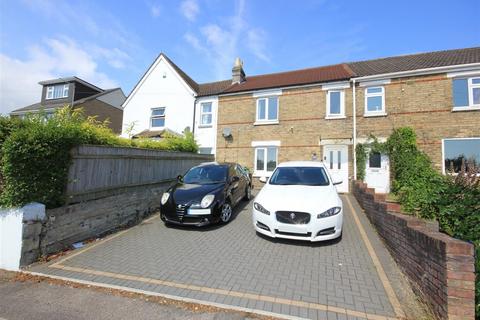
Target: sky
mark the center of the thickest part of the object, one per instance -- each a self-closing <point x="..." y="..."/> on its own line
<point x="112" y="43"/>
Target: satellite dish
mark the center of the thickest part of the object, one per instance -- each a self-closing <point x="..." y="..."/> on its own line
<point x="227" y="132"/>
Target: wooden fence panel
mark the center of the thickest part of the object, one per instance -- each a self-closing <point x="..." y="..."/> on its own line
<point x="99" y="171"/>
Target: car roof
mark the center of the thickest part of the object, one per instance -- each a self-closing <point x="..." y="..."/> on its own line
<point x="214" y="163"/>
<point x="319" y="164"/>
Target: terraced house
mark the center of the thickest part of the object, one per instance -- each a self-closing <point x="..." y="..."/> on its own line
<point x="322" y="113"/>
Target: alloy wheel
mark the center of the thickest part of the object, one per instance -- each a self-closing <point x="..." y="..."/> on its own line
<point x="226" y="213"/>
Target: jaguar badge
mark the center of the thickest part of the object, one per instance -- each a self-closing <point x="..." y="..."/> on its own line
<point x="292" y="215"/>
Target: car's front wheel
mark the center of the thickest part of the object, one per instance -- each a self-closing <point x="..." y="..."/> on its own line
<point x="226" y="212"/>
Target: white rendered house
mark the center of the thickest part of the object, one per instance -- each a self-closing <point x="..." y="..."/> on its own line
<point x="166" y="99"/>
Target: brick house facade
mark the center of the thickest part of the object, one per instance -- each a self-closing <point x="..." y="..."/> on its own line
<point x="418" y="91"/>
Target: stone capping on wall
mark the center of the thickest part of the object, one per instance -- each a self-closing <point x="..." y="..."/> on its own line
<point x="441" y="268"/>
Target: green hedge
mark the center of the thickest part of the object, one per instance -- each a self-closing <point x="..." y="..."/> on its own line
<point x="454" y="201"/>
<point x="36" y="154"/>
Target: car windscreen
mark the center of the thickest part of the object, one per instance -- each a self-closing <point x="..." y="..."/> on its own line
<point x="306" y="176"/>
<point x="206" y="175"/>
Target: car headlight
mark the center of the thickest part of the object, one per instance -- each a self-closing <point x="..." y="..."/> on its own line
<point x="207" y="200"/>
<point x="165" y="197"/>
<point x="330" y="212"/>
<point x="260" y="208"/>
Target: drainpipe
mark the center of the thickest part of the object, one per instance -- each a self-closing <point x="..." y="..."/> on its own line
<point x="354" y="132"/>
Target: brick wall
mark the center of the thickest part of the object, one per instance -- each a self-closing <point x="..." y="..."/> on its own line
<point x="301" y="128"/>
<point x="424" y="103"/>
<point x="440" y="267"/>
<point x="104" y="111"/>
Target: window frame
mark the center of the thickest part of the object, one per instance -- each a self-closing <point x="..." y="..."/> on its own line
<point x="340" y="115"/>
<point x="267" y="108"/>
<point x="382" y="112"/>
<point x="443" y="151"/>
<point x="470" y="87"/>
<point x="264" y="172"/>
<point x="163" y="116"/>
<point x="202" y="113"/>
<point x="50" y="94"/>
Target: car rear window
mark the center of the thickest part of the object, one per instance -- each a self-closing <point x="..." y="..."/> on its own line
<point x="307" y="176"/>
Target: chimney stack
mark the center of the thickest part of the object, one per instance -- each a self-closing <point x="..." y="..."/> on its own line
<point x="238" y="75"/>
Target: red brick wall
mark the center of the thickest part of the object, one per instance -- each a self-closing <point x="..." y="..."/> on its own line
<point x="440" y="267"/>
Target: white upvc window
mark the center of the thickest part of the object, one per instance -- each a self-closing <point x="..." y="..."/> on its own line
<point x="374" y="101"/>
<point x="157" y="119"/>
<point x="266" y="160"/>
<point x="206" y="114"/>
<point x="466" y="93"/>
<point x="57" y="91"/>
<point x="267" y="110"/>
<point x="335" y="104"/>
<point x="458" y="151"/>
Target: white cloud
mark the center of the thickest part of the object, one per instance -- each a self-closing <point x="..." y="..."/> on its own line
<point x="155" y="10"/>
<point x="221" y="44"/>
<point x="51" y="59"/>
<point x="190" y="9"/>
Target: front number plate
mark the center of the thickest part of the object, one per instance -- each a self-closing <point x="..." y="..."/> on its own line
<point x="198" y="212"/>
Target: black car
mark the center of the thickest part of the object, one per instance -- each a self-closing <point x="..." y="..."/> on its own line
<point x="206" y="194"/>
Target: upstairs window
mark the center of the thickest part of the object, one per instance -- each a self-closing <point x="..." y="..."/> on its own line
<point x="267" y="110"/>
<point x="206" y="114"/>
<point x="335" y="104"/>
<point x="158" y="118"/>
<point x="57" y="91"/>
<point x="374" y="101"/>
<point x="466" y="93"/>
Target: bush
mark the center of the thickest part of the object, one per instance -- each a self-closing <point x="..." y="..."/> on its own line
<point x="36" y="155"/>
<point x="415" y="182"/>
<point x="361" y="155"/>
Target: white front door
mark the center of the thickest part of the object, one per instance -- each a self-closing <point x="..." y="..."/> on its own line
<point x="336" y="160"/>
<point x="377" y="173"/>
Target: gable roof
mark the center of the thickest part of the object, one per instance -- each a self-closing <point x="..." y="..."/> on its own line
<point x="330" y="73"/>
<point x="38" y="106"/>
<point x="417" y="61"/>
<point x="336" y="72"/>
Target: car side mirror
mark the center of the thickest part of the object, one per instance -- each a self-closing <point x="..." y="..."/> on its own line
<point x="263" y="179"/>
<point x="180" y="178"/>
<point x="235" y="178"/>
<point x="337" y="182"/>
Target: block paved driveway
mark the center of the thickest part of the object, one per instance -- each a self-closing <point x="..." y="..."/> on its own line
<point x="232" y="265"/>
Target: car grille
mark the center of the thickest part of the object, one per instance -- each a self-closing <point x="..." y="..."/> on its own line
<point x="293" y="217"/>
<point x="181" y="209"/>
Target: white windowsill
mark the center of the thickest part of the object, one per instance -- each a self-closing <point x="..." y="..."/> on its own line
<point x="467" y="108"/>
<point x="335" y="117"/>
<point x="202" y="126"/>
<point x="375" y="114"/>
<point x="262" y="123"/>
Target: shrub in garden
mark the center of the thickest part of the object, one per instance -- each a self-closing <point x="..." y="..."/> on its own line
<point x="36" y="155"/>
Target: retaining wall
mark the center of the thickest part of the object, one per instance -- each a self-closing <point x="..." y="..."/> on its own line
<point x="440" y="267"/>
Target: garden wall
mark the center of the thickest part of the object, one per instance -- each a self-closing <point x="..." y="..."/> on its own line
<point x="109" y="188"/>
<point x="440" y="267"/>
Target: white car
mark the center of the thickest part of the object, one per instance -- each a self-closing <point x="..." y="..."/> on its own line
<point x="299" y="202"/>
